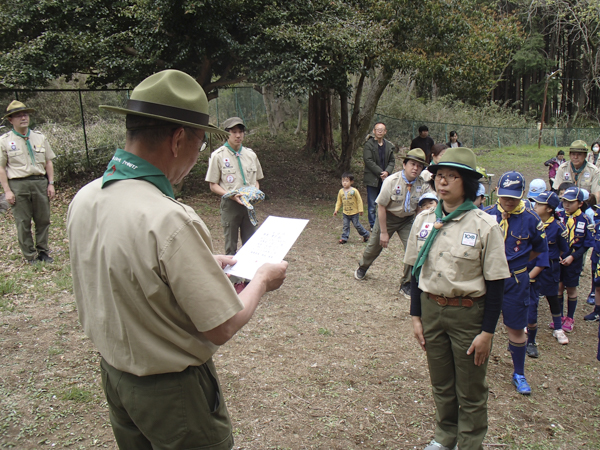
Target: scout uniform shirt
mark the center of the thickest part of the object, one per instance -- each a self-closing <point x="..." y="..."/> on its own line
<point x="588" y="178"/>
<point x="351" y="200"/>
<point x="15" y="156"/>
<point x="224" y="168"/>
<point x="393" y="194"/>
<point x="466" y="252"/>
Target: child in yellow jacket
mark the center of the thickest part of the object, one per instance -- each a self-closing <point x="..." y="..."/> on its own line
<point x="353" y="208"/>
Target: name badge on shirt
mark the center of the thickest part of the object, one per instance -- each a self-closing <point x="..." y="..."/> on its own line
<point x="586" y="175"/>
<point x="469" y="239"/>
<point x="580" y="226"/>
<point x="418" y="188"/>
<point x="425" y="229"/>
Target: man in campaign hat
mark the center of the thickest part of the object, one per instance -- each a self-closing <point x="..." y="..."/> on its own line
<point x="27" y="177"/>
<point x="150" y="293"/>
<point x="397" y="205"/>
<point x="578" y="171"/>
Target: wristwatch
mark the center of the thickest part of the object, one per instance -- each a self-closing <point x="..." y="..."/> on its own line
<point x="50" y="182"/>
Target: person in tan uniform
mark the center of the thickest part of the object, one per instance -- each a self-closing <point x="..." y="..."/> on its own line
<point x="578" y="170"/>
<point x="150" y="294"/>
<point x="27" y="177"/>
<point x="397" y="204"/>
<point x="230" y="167"/>
<point x="457" y="285"/>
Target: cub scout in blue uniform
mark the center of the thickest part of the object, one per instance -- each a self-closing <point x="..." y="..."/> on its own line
<point x="579" y="234"/>
<point x="548" y="280"/>
<point x="524" y="240"/>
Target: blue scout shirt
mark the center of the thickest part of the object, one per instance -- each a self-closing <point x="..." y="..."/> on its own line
<point x="579" y="236"/>
<point x="557" y="243"/>
<point x="525" y="234"/>
<point x="596" y="250"/>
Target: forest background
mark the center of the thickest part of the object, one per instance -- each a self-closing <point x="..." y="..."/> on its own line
<point x="333" y="59"/>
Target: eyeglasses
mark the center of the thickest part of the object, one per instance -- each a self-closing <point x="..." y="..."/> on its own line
<point x="204" y="143"/>
<point x="450" y="178"/>
<point x="380" y="129"/>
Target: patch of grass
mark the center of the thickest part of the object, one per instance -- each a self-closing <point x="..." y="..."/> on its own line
<point x="53" y="351"/>
<point x="325" y="332"/>
<point x="77" y="395"/>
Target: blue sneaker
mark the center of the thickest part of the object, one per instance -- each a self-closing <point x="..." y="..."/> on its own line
<point x="521" y="384"/>
<point x="591" y="300"/>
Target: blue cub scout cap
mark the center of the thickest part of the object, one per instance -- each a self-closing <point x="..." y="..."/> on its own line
<point x="511" y="184"/>
<point x="480" y="190"/>
<point x="536" y="187"/>
<point x="572" y="194"/>
<point x="548" y="198"/>
<point x="427" y="196"/>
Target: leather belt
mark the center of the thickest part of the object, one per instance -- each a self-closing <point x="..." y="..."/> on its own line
<point x="453" y="301"/>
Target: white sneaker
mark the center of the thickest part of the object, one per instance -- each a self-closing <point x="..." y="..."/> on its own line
<point x="433" y="445"/>
<point x="560" y="336"/>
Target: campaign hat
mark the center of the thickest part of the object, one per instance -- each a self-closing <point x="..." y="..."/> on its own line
<point x="461" y="158"/>
<point x="16" y="106"/>
<point x="418" y="155"/>
<point x="172" y="96"/>
<point x="579" y="146"/>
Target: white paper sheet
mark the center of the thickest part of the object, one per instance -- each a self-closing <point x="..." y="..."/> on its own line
<point x="269" y="244"/>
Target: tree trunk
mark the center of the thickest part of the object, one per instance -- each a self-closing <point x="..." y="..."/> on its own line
<point x="299" y="127"/>
<point x="278" y="110"/>
<point x="319" y="136"/>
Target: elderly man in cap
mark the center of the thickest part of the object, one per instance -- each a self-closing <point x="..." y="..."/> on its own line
<point x="150" y="293"/>
<point x="396" y="207"/>
<point x="231" y="167"/>
<point x="578" y="171"/>
<point x="27" y="177"/>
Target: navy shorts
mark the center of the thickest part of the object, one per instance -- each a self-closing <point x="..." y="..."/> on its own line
<point x="516" y="301"/>
<point x="534" y="299"/>
<point x="549" y="278"/>
<point x="569" y="275"/>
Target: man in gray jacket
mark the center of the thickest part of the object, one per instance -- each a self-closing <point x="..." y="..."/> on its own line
<point x="378" y="154"/>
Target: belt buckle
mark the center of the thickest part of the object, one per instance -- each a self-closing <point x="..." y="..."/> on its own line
<point x="442" y="300"/>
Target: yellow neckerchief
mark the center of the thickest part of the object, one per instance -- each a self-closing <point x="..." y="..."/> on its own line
<point x="548" y="222"/>
<point x="505" y="215"/>
<point x="571" y="225"/>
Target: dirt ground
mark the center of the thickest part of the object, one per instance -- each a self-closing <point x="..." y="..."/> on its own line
<point x="327" y="362"/>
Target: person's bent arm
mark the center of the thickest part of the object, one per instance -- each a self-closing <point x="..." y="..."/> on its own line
<point x="10" y="197"/>
<point x="217" y="189"/>
<point x="268" y="278"/>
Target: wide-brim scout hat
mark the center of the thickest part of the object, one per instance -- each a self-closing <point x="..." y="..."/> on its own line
<point x="548" y="198"/>
<point x="173" y="96"/>
<point x="15" y="107"/>
<point x="418" y="155"/>
<point x="572" y="194"/>
<point x="511" y="184"/>
<point x="578" y="146"/>
<point x="232" y="122"/>
<point x="461" y="158"/>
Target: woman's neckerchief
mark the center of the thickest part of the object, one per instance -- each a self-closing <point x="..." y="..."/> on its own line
<point x="127" y="166"/>
<point x="237" y="156"/>
<point x="439" y="223"/>
<point x="408" y="188"/>
<point x="505" y="215"/>
<point x="26" y="137"/>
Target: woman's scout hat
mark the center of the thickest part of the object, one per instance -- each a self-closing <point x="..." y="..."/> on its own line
<point x="15" y="107"/>
<point x="578" y="146"/>
<point x="418" y="155"/>
<point x="461" y="158"/>
<point x="173" y="96"/>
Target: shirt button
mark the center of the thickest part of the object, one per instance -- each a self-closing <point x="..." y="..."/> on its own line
<point x="444" y="233"/>
<point x="466" y="254"/>
<point x="441" y="253"/>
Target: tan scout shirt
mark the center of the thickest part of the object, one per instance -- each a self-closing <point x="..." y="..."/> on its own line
<point x="466" y="251"/>
<point x="589" y="178"/>
<point x="145" y="280"/>
<point x="393" y="193"/>
<point x="223" y="168"/>
<point x="14" y="155"/>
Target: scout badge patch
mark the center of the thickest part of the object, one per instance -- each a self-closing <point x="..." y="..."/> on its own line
<point x="425" y="229"/>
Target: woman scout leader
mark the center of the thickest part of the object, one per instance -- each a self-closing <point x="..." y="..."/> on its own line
<point x="456" y="295"/>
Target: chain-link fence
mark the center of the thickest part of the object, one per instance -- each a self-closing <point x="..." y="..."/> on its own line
<point x="402" y="132"/>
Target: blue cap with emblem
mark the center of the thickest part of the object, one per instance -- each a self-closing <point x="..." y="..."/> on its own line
<point x="427" y="196"/>
<point x="572" y="194"/>
<point x="511" y="184"/>
<point x="548" y="198"/>
<point x="536" y="187"/>
<point x="480" y="190"/>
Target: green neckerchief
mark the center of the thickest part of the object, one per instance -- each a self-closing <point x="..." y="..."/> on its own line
<point x="440" y="221"/>
<point x="127" y="166"/>
<point x="237" y="155"/>
<point x="26" y="137"/>
<point x="577" y="172"/>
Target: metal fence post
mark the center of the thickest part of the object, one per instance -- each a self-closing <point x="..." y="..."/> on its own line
<point x="473" y="146"/>
<point x="87" y="155"/>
